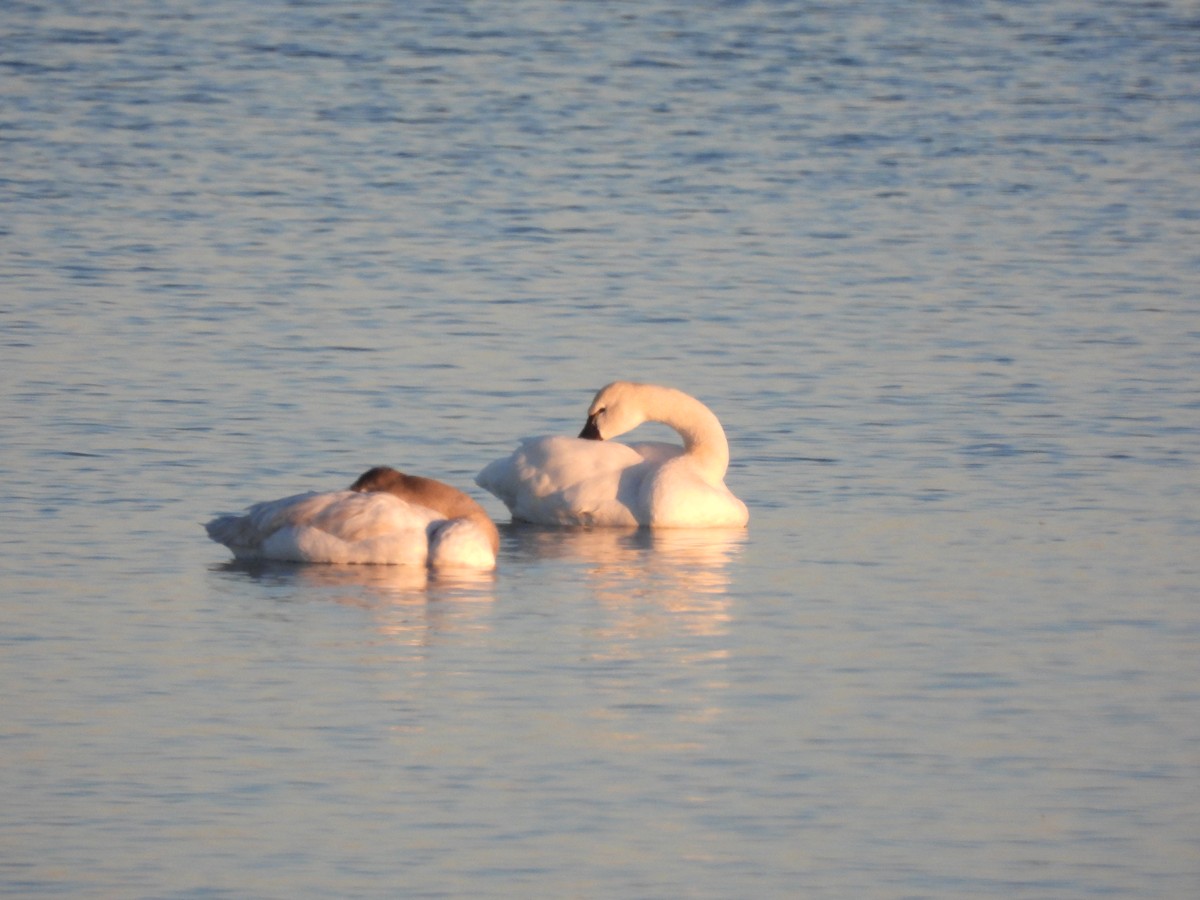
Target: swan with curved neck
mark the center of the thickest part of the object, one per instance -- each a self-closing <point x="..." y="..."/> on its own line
<point x="386" y="517"/>
<point x="624" y="405"/>
<point x="591" y="480"/>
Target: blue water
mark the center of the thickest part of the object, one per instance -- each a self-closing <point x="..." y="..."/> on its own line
<point x="935" y="267"/>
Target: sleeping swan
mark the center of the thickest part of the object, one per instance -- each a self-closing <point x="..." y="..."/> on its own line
<point x="385" y="517"/>
<point x="589" y="481"/>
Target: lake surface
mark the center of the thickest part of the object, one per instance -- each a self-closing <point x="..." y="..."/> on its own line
<point x="934" y="265"/>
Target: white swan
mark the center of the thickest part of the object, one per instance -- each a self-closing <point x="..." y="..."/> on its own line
<point x="385" y="517"/>
<point x="589" y="481"/>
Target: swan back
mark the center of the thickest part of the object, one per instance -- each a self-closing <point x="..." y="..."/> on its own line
<point x="331" y="527"/>
<point x="559" y="480"/>
<point x="431" y="494"/>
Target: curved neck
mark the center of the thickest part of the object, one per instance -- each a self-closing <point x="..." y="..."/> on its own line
<point x="703" y="437"/>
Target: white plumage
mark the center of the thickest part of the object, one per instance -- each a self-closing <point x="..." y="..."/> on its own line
<point x="385" y="518"/>
<point x="587" y="480"/>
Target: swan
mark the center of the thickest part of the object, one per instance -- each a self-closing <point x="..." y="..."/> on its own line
<point x="385" y="517"/>
<point x="558" y="480"/>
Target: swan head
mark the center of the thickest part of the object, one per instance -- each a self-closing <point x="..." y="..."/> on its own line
<point x="616" y="409"/>
<point x="379" y="478"/>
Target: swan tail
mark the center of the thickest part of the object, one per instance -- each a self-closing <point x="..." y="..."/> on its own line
<point x="235" y="532"/>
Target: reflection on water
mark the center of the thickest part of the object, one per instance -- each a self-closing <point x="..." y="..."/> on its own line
<point x="655" y="611"/>
<point x="684" y="572"/>
<point x="678" y="570"/>
<point x="645" y="581"/>
<point x="410" y="605"/>
<point x="368" y="585"/>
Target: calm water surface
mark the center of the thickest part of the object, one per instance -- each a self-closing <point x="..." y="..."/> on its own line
<point x="934" y="265"/>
